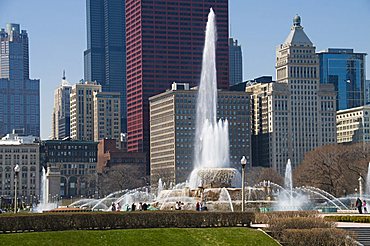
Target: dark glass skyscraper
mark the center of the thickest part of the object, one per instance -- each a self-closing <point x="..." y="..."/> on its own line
<point x="105" y="57"/>
<point x="235" y="62"/>
<point x="19" y="95"/>
<point x="346" y="70"/>
<point x="165" y="41"/>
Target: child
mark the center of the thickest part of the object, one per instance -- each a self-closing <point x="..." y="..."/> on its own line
<point x="364" y="205"/>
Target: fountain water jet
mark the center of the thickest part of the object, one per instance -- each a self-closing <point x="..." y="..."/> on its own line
<point x="211" y="143"/>
<point x="44" y="204"/>
<point x="225" y="196"/>
<point x="367" y="191"/>
<point x="288" y="199"/>
<point x="288" y="181"/>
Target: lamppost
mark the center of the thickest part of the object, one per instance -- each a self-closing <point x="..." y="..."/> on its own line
<point x="16" y="173"/>
<point x="360" y="187"/>
<point x="243" y="161"/>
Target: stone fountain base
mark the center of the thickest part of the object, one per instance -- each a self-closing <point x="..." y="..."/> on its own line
<point x="215" y="178"/>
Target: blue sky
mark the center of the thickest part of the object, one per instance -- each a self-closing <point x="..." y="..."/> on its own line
<point x="57" y="33"/>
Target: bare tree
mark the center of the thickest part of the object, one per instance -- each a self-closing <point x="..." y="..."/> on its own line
<point x="259" y="174"/>
<point x="121" y="177"/>
<point x="334" y="168"/>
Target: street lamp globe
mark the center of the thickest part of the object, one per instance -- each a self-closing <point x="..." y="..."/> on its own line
<point x="243" y="161"/>
<point x="17" y="169"/>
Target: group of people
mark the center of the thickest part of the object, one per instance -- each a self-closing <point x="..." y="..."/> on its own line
<point x="142" y="206"/>
<point x="361" y="205"/>
<point x="178" y="205"/>
<point x="116" y="207"/>
<point x="200" y="207"/>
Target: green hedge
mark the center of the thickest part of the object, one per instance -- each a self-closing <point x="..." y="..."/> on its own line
<point x="265" y="218"/>
<point x="278" y="226"/>
<point x="348" y="218"/>
<point x="127" y="220"/>
<point x="316" y="236"/>
<point x="297" y="231"/>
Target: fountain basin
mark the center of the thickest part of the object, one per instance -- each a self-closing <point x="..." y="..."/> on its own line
<point x="215" y="178"/>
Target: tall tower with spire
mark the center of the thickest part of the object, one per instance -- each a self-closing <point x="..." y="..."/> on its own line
<point x="300" y="113"/>
<point x="19" y="95"/>
<point x="61" y="112"/>
<point x="311" y="120"/>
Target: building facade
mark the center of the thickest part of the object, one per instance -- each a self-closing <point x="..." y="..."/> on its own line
<point x="109" y="156"/>
<point x="75" y="161"/>
<point x="105" y="56"/>
<point x="107" y="120"/>
<point x="344" y="69"/>
<point x="82" y="110"/>
<point x="61" y="112"/>
<point x="296" y="113"/>
<point x="367" y="91"/>
<point x="353" y="125"/>
<point x="172" y="129"/>
<point x="94" y="114"/>
<point x="23" y="151"/>
<point x="235" y="62"/>
<point x="165" y="41"/>
<point x="19" y="95"/>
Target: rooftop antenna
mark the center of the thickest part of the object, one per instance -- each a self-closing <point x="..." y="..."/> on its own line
<point x="64" y="74"/>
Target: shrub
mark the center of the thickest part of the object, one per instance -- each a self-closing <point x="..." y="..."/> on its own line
<point x="279" y="225"/>
<point x="129" y="220"/>
<point x="316" y="236"/>
<point x="348" y="218"/>
<point x="265" y="218"/>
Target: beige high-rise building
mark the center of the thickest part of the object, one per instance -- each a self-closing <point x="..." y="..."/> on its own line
<point x="296" y="113"/>
<point x="61" y="113"/>
<point x="24" y="151"/>
<point x="353" y="125"/>
<point x="82" y="110"/>
<point x="172" y="129"/>
<point x="107" y="117"/>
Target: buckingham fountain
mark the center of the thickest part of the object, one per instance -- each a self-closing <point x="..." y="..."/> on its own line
<point x="213" y="183"/>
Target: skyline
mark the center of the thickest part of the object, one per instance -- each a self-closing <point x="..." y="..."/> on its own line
<point x="57" y="35"/>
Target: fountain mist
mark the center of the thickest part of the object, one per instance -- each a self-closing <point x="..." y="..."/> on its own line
<point x="289" y="199"/>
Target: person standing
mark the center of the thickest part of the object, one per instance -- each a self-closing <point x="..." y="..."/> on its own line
<point x="197" y="206"/>
<point x="359" y="205"/>
<point x="364" y="206"/>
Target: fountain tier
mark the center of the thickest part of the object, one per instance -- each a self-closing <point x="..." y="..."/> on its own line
<point x="215" y="178"/>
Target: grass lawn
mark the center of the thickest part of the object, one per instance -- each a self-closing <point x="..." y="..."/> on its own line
<point x="142" y="237"/>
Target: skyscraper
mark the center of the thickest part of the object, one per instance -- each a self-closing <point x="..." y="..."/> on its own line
<point x="165" y="41"/>
<point x="61" y="112"/>
<point x="94" y="114"/>
<point x="107" y="120"/>
<point x="346" y="71"/>
<point x="235" y="62"/>
<point x="82" y="110"/>
<point x="105" y="57"/>
<point x="296" y="113"/>
<point x="367" y="91"/>
<point x="19" y="95"/>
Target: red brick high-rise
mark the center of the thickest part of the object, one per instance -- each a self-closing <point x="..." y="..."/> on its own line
<point x="165" y="41"/>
